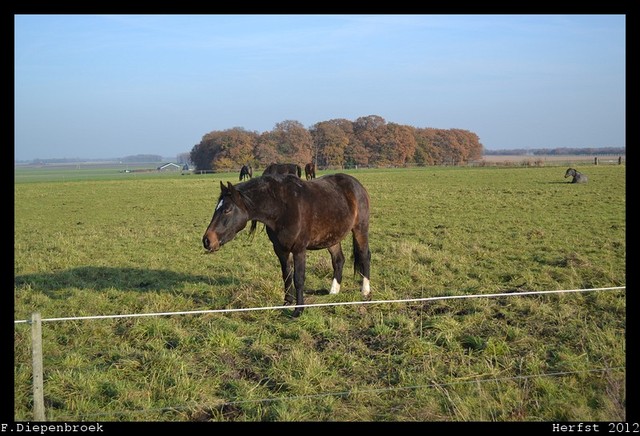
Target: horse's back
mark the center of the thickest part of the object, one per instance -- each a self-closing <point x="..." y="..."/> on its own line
<point x="322" y="194"/>
<point x="344" y="182"/>
<point x="576" y="176"/>
<point x="580" y="178"/>
<point x="276" y="168"/>
<point x="339" y="192"/>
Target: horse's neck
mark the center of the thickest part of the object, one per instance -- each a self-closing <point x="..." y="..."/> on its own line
<point x="263" y="206"/>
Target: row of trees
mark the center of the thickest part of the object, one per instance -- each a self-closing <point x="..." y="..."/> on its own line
<point x="338" y="143"/>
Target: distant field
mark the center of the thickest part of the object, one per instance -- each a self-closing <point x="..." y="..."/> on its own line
<point x="87" y="171"/>
<point x="105" y="242"/>
<point x="116" y="170"/>
<point x="531" y="160"/>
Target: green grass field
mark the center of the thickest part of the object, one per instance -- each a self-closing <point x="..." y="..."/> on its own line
<point x="129" y="244"/>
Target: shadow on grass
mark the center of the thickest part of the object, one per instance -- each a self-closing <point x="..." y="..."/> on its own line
<point x="316" y="292"/>
<point x="101" y="278"/>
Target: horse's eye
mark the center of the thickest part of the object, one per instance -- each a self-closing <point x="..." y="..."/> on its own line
<point x="226" y="210"/>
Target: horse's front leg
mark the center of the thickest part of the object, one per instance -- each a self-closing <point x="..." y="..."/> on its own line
<point x="299" y="265"/>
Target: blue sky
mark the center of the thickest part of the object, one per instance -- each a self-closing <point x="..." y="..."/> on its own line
<point x="103" y="86"/>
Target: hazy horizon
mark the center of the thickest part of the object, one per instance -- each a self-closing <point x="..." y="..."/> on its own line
<point x="173" y="158"/>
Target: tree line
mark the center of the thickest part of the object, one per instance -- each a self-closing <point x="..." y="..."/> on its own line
<point x="368" y="141"/>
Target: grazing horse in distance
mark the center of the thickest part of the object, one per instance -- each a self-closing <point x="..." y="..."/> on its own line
<point x="299" y="216"/>
<point x="277" y="168"/>
<point x="310" y="171"/>
<point x="577" y="176"/>
<point x="246" y="172"/>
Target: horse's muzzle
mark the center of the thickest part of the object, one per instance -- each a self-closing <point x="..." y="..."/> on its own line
<point x="211" y="242"/>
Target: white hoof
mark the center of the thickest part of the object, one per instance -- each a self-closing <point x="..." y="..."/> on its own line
<point x="335" y="287"/>
<point x="366" y="288"/>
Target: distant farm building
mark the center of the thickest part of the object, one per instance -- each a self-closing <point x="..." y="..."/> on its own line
<point x="169" y="167"/>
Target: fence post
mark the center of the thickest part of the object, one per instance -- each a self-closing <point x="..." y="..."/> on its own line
<point x="36" y="359"/>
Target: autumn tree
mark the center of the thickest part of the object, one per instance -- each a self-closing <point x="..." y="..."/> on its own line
<point x="396" y="144"/>
<point x="293" y="142"/>
<point x="426" y="152"/>
<point x="337" y="143"/>
<point x="331" y="141"/>
<point x="367" y="131"/>
<point x="469" y="145"/>
<point x="266" y="150"/>
<point x="240" y="146"/>
<point x="202" y="153"/>
<point x="224" y="150"/>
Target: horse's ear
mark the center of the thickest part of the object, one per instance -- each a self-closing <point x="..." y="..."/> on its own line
<point x="222" y="187"/>
<point x="235" y="194"/>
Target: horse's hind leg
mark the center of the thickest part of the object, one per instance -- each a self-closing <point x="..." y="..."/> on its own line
<point x="337" y="261"/>
<point x="362" y="260"/>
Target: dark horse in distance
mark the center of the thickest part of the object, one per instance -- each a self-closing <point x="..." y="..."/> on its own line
<point x="277" y="168"/>
<point x="310" y="171"/>
<point x="577" y="176"/>
<point x="246" y="172"/>
<point x="299" y="216"/>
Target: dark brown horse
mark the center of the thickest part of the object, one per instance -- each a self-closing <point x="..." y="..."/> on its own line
<point x="277" y="168"/>
<point x="310" y="171"/>
<point x="299" y="216"/>
<point x="246" y="172"/>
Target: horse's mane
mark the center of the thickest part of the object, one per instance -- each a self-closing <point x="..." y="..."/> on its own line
<point x="246" y="186"/>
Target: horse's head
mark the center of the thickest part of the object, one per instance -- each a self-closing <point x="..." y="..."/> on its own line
<point x="570" y="173"/>
<point x="229" y="217"/>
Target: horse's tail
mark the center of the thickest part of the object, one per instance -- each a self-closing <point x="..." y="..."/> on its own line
<point x="252" y="229"/>
<point x="361" y="251"/>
